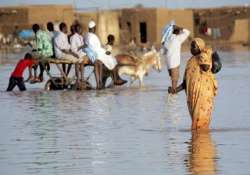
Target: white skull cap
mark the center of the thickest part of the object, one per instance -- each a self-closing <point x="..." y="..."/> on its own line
<point x="91" y="24"/>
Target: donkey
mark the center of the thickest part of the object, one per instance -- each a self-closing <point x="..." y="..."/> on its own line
<point x="138" y="68"/>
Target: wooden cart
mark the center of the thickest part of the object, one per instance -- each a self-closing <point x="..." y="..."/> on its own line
<point x="63" y="82"/>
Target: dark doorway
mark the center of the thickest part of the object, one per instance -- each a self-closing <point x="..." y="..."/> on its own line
<point x="143" y="32"/>
<point x="129" y="27"/>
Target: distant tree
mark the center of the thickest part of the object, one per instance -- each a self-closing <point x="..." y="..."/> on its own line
<point x="139" y="5"/>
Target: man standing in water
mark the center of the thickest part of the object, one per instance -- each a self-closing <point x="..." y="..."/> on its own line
<point x="172" y="50"/>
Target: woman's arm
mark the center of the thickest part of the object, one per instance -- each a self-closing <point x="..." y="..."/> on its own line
<point x="181" y="87"/>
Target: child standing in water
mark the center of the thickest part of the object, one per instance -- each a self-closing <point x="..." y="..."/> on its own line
<point x="17" y="75"/>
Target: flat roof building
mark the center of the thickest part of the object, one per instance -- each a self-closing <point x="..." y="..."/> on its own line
<point x="25" y="16"/>
<point x="143" y="25"/>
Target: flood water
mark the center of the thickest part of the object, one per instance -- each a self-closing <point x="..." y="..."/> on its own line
<point x="126" y="130"/>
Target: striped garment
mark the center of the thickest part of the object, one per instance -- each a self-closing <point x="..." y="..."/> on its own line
<point x="167" y="31"/>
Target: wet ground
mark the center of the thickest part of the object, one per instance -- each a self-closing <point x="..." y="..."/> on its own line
<point x="125" y="130"/>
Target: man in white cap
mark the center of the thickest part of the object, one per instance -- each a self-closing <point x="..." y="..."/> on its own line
<point x="101" y="57"/>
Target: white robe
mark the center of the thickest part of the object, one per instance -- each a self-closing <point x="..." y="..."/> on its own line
<point x="173" y="48"/>
<point x="76" y="41"/>
<point x="93" y="42"/>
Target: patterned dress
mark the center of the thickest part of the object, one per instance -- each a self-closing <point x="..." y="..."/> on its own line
<point x="201" y="88"/>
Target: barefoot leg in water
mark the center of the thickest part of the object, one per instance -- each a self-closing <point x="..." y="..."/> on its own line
<point x="98" y="74"/>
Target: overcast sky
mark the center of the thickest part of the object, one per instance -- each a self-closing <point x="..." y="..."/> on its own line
<point x="104" y="4"/>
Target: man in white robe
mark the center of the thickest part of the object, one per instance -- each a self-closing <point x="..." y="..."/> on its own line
<point x="76" y="41"/>
<point x="63" y="49"/>
<point x="102" y="56"/>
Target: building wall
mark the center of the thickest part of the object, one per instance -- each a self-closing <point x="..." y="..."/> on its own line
<point x="241" y="31"/>
<point x="135" y="17"/>
<point x="24" y="16"/>
<point x="183" y="18"/>
<point x="42" y="14"/>
<point x="156" y="19"/>
<point x="232" y="21"/>
<point x="84" y="17"/>
<point x="107" y="23"/>
<point x="223" y="18"/>
<point x="12" y="17"/>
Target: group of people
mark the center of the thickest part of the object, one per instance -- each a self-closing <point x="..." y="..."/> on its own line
<point x="199" y="81"/>
<point x="76" y="48"/>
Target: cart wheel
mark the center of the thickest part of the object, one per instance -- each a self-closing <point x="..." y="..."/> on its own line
<point x="48" y="85"/>
<point x="55" y="84"/>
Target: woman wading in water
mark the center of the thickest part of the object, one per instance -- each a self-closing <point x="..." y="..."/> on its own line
<point x="200" y="85"/>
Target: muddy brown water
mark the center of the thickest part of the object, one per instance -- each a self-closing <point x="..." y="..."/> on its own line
<point x="125" y="130"/>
